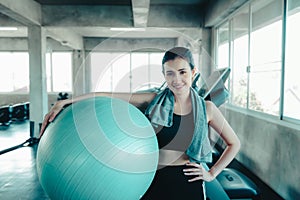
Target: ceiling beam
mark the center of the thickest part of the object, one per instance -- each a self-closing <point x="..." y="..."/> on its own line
<point x="163" y="16"/>
<point x="140" y="11"/>
<point x="171" y="16"/>
<point x="219" y="10"/>
<point x="66" y="37"/>
<point x="27" y="12"/>
<point x="87" y="16"/>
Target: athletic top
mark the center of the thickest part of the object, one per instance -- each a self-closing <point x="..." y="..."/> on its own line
<point x="160" y="113"/>
<point x="179" y="135"/>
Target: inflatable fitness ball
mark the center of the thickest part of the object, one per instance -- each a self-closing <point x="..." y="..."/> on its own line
<point x="99" y="148"/>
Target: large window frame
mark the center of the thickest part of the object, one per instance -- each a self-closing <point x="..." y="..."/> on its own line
<point x="125" y="71"/>
<point x="281" y="64"/>
<point x="15" y="72"/>
<point x="59" y="69"/>
<point x="14" y="76"/>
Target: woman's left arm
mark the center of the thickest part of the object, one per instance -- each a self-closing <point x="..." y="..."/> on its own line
<point x="217" y="121"/>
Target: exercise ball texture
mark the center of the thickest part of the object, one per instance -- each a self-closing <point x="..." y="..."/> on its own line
<point x="99" y="148"/>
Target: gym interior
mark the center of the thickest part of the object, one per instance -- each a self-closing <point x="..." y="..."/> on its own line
<point x="58" y="49"/>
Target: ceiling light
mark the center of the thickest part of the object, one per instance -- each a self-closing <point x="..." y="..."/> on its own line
<point x="8" y="28"/>
<point x="127" y="29"/>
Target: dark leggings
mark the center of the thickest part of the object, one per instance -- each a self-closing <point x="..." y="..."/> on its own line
<point x="170" y="183"/>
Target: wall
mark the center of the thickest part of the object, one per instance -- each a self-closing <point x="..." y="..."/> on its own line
<point x="21" y="44"/>
<point x="10" y="99"/>
<point x="270" y="149"/>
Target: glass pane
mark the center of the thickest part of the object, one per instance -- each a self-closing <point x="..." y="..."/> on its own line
<point x="223" y="46"/>
<point x="139" y="70"/>
<point x="101" y="71"/>
<point x="62" y="72"/>
<point x="239" y="80"/>
<point x="21" y="72"/>
<point x="6" y="81"/>
<point x="265" y="58"/>
<point x="121" y="74"/>
<point x="292" y="83"/>
<point x="14" y="76"/>
<point x="49" y="72"/>
<point x="156" y="77"/>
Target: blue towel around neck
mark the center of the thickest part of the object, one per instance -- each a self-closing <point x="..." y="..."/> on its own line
<point x="160" y="112"/>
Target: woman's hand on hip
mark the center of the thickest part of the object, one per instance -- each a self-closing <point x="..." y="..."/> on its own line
<point x="197" y="172"/>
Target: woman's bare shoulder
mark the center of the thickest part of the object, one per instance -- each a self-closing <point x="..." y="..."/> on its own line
<point x="210" y="109"/>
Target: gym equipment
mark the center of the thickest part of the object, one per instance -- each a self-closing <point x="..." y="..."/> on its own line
<point x="214" y="87"/>
<point x="214" y="190"/>
<point x="28" y="143"/>
<point x="19" y="112"/>
<point x="5" y="115"/>
<point x="62" y="96"/>
<point x="98" y="148"/>
<point x="237" y="185"/>
<point x="15" y="113"/>
<point x="27" y="110"/>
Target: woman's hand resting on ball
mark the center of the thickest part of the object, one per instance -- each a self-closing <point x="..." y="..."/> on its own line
<point x="54" y="111"/>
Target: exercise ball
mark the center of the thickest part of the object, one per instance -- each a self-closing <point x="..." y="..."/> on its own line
<point x="98" y="148"/>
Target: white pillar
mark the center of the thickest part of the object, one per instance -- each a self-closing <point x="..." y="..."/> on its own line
<point x="88" y="71"/>
<point x="38" y="89"/>
<point x="79" y="81"/>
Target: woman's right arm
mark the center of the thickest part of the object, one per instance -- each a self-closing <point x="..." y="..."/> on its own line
<point x="137" y="99"/>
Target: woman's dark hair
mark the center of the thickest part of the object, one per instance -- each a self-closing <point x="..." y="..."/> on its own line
<point x="181" y="52"/>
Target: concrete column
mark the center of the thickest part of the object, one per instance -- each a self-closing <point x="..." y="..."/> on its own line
<point x="88" y="72"/>
<point x="206" y="60"/>
<point x="38" y="89"/>
<point x="79" y="73"/>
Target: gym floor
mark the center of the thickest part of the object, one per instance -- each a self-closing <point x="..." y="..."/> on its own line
<point x="19" y="179"/>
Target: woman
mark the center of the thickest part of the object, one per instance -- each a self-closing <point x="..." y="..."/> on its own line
<point x="180" y="118"/>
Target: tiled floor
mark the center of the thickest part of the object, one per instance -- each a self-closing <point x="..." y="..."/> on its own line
<point x="18" y="177"/>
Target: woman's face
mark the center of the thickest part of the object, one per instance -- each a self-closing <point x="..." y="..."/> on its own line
<point x="178" y="75"/>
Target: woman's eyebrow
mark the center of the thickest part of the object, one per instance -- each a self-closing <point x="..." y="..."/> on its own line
<point x="182" y="69"/>
<point x="169" y="70"/>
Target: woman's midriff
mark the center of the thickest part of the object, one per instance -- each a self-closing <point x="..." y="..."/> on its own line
<point x="171" y="157"/>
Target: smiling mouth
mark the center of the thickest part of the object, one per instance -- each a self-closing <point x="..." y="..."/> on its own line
<point x="178" y="87"/>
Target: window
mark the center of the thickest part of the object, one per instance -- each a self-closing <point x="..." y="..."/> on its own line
<point x="121" y="74"/>
<point x="240" y="51"/>
<point x="14" y="76"/>
<point x="101" y="71"/>
<point x="156" y="77"/>
<point x="292" y="83"/>
<point x="139" y="70"/>
<point x="265" y="59"/>
<point x="256" y="58"/>
<point x="223" y="46"/>
<point x="59" y="71"/>
<point x="125" y="72"/>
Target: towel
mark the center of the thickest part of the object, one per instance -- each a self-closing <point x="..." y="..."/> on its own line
<point x="160" y="112"/>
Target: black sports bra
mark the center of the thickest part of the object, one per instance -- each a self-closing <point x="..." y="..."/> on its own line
<point x="179" y="135"/>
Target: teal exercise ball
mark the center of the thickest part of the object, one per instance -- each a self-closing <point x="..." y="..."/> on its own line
<point x="98" y="148"/>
